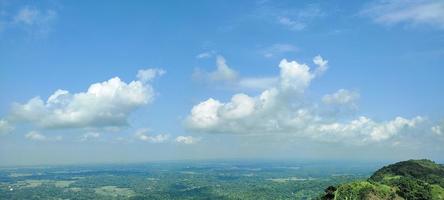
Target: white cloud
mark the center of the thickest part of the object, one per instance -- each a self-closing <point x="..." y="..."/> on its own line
<point x="187" y="139"/>
<point x="278" y="49"/>
<point x="223" y="73"/>
<point x="410" y="12"/>
<point x="5" y="127"/>
<point x="228" y="77"/>
<point x="34" y="135"/>
<point x="204" y="55"/>
<point x="293" y="76"/>
<point x="321" y="63"/>
<point x="366" y="129"/>
<point x="296" y="76"/>
<point x="142" y="134"/>
<point x="205" y="114"/>
<point x="90" y="135"/>
<point x="438" y="130"/>
<point x="241" y="105"/>
<point x="105" y="104"/>
<point x="281" y="110"/>
<point x="213" y="115"/>
<point x="341" y="97"/>
<point x="37" y="136"/>
<point x="146" y="75"/>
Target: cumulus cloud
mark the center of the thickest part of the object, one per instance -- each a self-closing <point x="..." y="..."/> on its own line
<point x="282" y="110"/>
<point x="410" y="12"/>
<point x="341" y="97"/>
<point x="187" y="139"/>
<point x="103" y="105"/>
<point x="321" y="63"/>
<point x="142" y="134"/>
<point x="296" y="76"/>
<point x="5" y="127"/>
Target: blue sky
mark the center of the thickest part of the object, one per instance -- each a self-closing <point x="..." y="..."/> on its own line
<point x="375" y="92"/>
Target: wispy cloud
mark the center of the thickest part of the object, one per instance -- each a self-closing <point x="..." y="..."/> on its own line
<point x="90" y="135"/>
<point x="187" y="139"/>
<point x="36" y="21"/>
<point x="226" y="76"/>
<point x="206" y="54"/>
<point x="295" y="19"/>
<point x="342" y="97"/>
<point x="259" y="83"/>
<point x="222" y="73"/>
<point x="37" y="136"/>
<point x="408" y="12"/>
<point x="143" y="135"/>
<point x="147" y="75"/>
<point x="34" y="135"/>
<point x="278" y="49"/>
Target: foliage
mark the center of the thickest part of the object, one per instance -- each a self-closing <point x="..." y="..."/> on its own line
<point x="364" y="190"/>
<point x="410" y="188"/>
<point x="424" y="170"/>
<point x="412" y="180"/>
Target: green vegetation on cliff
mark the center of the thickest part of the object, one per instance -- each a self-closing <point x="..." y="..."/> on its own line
<point x="412" y="179"/>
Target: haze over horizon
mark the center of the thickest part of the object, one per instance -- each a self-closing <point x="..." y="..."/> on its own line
<point x="105" y="82"/>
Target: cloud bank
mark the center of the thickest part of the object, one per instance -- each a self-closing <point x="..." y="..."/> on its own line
<point x="281" y="109"/>
<point x="102" y="105"/>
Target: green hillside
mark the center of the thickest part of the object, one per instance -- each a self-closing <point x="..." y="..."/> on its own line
<point x="412" y="180"/>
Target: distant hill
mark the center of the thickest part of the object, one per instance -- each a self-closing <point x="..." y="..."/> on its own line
<point x="411" y="180"/>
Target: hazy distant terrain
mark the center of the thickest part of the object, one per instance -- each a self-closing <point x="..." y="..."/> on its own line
<point x="180" y="180"/>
